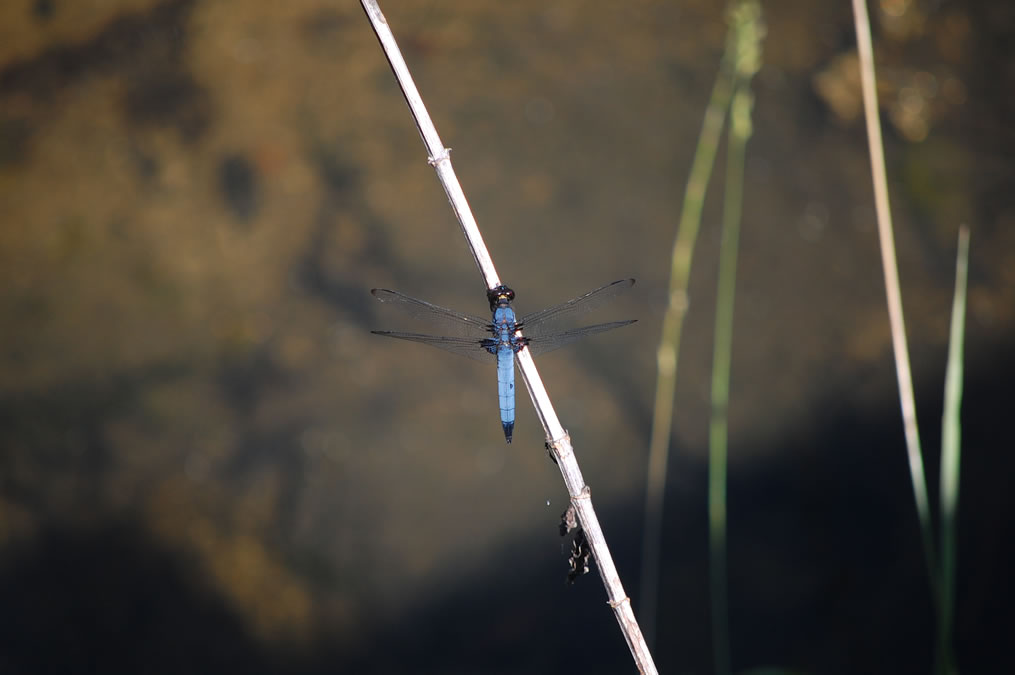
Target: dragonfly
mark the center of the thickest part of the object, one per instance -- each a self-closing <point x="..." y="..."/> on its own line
<point x="503" y="335"/>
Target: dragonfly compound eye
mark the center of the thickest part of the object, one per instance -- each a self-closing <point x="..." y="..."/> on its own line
<point x="501" y="295"/>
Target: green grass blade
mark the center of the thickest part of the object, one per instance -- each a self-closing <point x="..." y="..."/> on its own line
<point x="745" y="19"/>
<point x="951" y="443"/>
<point x="740" y="62"/>
<point x="669" y="340"/>
<point x="722" y="348"/>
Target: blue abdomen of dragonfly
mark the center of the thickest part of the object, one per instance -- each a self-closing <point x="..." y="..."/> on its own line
<point x="505" y="327"/>
<point x="479" y="338"/>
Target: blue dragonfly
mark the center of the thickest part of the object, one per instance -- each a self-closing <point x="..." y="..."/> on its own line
<point x="481" y="339"/>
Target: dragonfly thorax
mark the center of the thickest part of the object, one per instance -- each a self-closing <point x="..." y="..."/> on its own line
<point x="504" y="321"/>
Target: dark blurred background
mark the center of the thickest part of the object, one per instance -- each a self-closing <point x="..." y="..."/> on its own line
<point x="208" y="464"/>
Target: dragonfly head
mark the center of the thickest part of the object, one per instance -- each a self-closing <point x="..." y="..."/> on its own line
<point x="501" y="296"/>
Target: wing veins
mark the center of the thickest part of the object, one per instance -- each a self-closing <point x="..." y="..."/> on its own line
<point x="421" y="309"/>
<point x="474" y="348"/>
<point x="544" y="344"/>
<point x="537" y="323"/>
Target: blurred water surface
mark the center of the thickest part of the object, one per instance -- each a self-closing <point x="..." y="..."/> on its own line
<point x="207" y="462"/>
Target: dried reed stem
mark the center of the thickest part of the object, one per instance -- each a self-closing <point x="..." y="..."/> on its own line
<point x="557" y="439"/>
<point x="890" y="267"/>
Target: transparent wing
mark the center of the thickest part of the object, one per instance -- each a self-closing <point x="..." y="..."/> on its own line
<point x="472" y="336"/>
<point x="456" y="323"/>
<point x="547" y="343"/>
<point x="546" y="321"/>
<point x="473" y="347"/>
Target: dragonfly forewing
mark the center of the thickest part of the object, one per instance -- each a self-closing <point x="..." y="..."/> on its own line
<point x="547" y="321"/>
<point x="459" y="324"/>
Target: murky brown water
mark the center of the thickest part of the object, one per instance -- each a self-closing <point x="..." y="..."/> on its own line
<point x="201" y="439"/>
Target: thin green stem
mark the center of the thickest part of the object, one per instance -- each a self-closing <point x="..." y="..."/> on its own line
<point x="951" y="443"/>
<point x="669" y="341"/>
<point x="747" y="18"/>
<point x="721" y="359"/>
